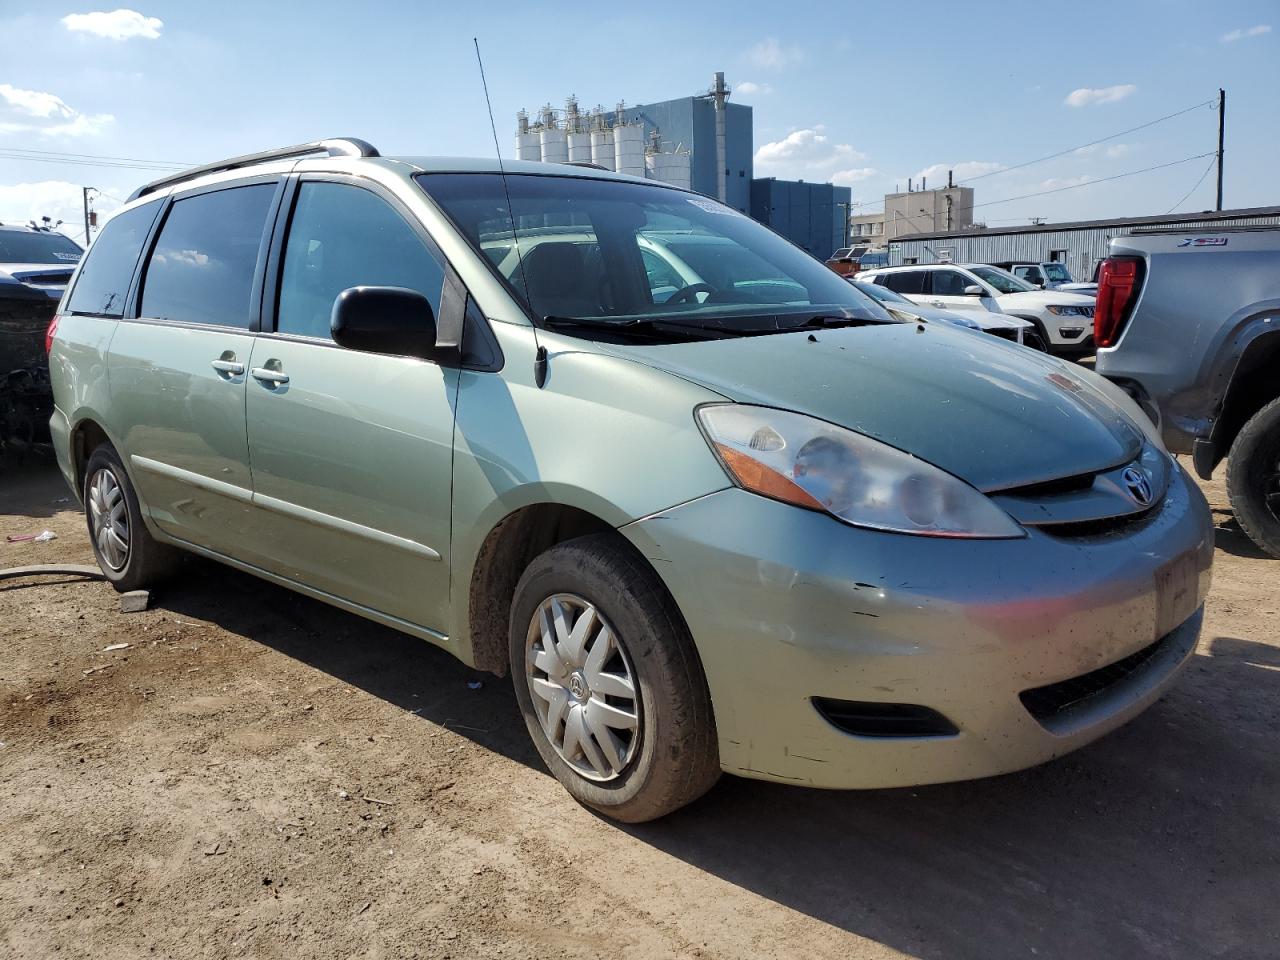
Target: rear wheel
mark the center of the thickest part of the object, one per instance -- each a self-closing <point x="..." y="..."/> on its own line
<point x="128" y="555"/>
<point x="609" y="682"/>
<point x="1253" y="478"/>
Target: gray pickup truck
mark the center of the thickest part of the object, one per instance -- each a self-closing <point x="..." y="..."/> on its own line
<point x="1189" y="325"/>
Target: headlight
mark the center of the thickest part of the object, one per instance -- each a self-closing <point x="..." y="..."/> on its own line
<point x="814" y="464"/>
<point x="1058" y="311"/>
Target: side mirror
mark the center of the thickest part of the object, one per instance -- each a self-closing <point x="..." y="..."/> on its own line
<point x="391" y="320"/>
<point x="973" y="290"/>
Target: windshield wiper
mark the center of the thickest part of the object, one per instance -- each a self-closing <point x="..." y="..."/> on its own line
<point x="648" y="325"/>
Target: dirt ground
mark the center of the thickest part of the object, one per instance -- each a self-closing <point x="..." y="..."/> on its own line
<point x="259" y="775"/>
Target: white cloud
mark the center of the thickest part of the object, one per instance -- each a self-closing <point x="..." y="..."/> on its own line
<point x="1113" y="152"/>
<point x="1056" y="183"/>
<point x="803" y="152"/>
<point x="1087" y="95"/>
<point x="961" y="171"/>
<point x="749" y="87"/>
<point x="847" y="178"/>
<point x="1258" y="31"/>
<point x="57" y="199"/>
<point x="116" y="25"/>
<point x="771" y="55"/>
<point x="34" y="111"/>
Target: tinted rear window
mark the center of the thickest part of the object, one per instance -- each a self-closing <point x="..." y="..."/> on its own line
<point x="201" y="270"/>
<point x="22" y="246"/>
<point x="108" y="266"/>
<point x="908" y="281"/>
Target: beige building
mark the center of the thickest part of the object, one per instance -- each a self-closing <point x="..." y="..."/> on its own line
<point x="914" y="212"/>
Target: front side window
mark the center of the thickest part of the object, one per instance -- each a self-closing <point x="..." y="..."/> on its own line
<point x="725" y="268"/>
<point x="108" y="267"/>
<point x="1057" y="272"/>
<point x="343" y="236"/>
<point x="201" y="270"/>
<point x="950" y="283"/>
<point x="1001" y="280"/>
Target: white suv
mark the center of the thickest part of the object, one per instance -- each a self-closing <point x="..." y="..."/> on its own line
<point x="1064" y="320"/>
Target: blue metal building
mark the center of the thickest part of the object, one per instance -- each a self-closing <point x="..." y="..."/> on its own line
<point x="811" y="215"/>
<point x="690" y="124"/>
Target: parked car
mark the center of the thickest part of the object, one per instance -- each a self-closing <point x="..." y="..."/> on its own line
<point x="755" y="525"/>
<point x="1189" y="324"/>
<point x="997" y="324"/>
<point x="1047" y="275"/>
<point x="35" y="264"/>
<point x="1063" y="320"/>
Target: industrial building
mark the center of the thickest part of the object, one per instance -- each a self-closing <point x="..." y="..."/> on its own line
<point x="945" y="209"/>
<point x="811" y="215"/>
<point x="1080" y="245"/>
<point x="703" y="143"/>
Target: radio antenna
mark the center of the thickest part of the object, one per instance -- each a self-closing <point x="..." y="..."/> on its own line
<point x="540" y="352"/>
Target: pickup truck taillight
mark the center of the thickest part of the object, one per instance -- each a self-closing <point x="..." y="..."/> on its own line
<point x="1117" y="290"/>
<point x="49" y="333"/>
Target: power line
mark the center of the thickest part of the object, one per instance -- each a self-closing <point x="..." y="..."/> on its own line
<point x="1063" y="153"/>
<point x="1090" y="183"/>
<point x="95" y="156"/>
<point x="1091" y="143"/>
<point x="4" y="155"/>
<point x="1197" y="183"/>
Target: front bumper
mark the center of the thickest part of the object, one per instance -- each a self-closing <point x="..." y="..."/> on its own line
<point x="786" y="605"/>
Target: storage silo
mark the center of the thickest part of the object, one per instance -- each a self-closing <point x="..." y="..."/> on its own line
<point x="628" y="149"/>
<point x="528" y="145"/>
<point x="552" y="139"/>
<point x="579" y="146"/>
<point x="601" y="141"/>
<point x="673" y="168"/>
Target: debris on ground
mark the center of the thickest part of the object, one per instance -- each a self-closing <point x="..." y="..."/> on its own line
<point x="135" y="601"/>
<point x="115" y="646"/>
<point x="43" y="537"/>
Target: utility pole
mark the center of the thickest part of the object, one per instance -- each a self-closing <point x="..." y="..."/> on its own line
<point x="84" y="191"/>
<point x="1222" y="133"/>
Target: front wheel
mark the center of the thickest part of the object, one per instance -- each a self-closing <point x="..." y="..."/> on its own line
<point x="1253" y="478"/>
<point x="609" y="682"/>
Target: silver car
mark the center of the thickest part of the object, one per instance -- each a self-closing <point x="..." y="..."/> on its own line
<point x="987" y="321"/>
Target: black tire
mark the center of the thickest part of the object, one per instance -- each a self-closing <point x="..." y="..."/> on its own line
<point x="675" y="758"/>
<point x="1253" y="478"/>
<point x="146" y="561"/>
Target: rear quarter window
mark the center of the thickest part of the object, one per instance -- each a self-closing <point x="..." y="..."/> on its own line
<point x="108" y="267"/>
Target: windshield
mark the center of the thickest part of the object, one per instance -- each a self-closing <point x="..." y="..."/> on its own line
<point x="605" y="251"/>
<point x="883" y="294"/>
<point x="1002" y="281"/>
<point x="1057" y="272"/>
<point x="23" y="246"/>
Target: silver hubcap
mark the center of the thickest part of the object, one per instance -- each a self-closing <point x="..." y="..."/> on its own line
<point x="109" y="516"/>
<point x="582" y="686"/>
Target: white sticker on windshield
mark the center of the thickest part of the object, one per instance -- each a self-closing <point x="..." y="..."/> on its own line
<point x="711" y="206"/>
<point x="67" y="256"/>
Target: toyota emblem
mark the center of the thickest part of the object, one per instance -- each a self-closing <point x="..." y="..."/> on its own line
<point x="1138" y="485"/>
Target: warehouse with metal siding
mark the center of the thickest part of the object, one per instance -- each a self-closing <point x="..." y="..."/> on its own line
<point x="1080" y="244"/>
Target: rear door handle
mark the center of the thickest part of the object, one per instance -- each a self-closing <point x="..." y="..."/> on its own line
<point x="267" y="375"/>
<point x="230" y="367"/>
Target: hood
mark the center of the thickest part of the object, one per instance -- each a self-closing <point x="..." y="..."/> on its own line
<point x="986" y="319"/>
<point x="1043" y="298"/>
<point x="995" y="414"/>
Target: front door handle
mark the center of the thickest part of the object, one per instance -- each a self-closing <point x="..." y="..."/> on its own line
<point x="269" y="376"/>
<point x="232" y="368"/>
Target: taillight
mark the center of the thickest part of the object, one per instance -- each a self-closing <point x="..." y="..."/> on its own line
<point x="49" y="334"/>
<point x="1117" y="290"/>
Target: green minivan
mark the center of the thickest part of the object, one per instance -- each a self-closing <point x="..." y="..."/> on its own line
<point x="712" y="508"/>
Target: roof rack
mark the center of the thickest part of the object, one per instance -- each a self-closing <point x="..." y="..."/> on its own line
<point x="336" y="147"/>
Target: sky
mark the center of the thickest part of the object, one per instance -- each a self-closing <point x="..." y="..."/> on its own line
<point x="867" y="95"/>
